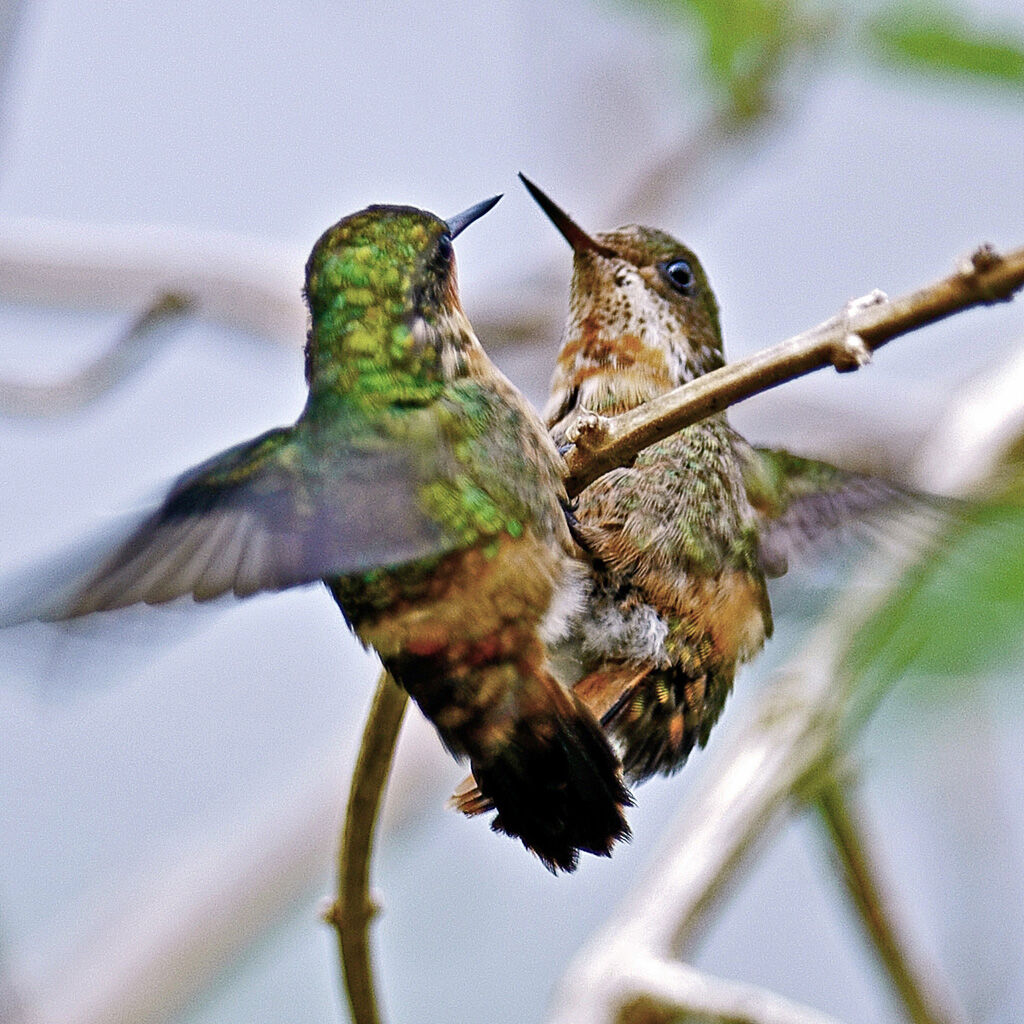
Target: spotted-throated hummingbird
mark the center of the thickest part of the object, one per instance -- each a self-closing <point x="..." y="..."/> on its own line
<point x="680" y="542"/>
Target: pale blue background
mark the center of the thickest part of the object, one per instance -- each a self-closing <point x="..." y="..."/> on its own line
<point x="193" y="743"/>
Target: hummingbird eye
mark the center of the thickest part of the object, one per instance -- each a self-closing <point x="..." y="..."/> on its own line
<point x="444" y="247"/>
<point x="680" y="275"/>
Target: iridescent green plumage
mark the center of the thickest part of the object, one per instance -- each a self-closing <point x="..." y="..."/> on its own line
<point x="424" y="491"/>
<point x="359" y="281"/>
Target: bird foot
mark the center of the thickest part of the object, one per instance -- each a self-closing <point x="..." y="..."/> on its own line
<point x="587" y="429"/>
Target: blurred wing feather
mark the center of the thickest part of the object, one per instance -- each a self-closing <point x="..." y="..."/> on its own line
<point x="262" y="516"/>
<point x="802" y="505"/>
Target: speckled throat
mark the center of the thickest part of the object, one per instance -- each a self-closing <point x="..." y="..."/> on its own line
<point x="630" y="336"/>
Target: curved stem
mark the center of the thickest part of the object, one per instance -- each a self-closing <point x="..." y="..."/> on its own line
<point x="918" y="987"/>
<point x="352" y="912"/>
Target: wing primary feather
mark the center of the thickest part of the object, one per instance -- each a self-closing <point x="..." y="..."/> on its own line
<point x="146" y="575"/>
<point x="251" y="563"/>
<point x="179" y="570"/>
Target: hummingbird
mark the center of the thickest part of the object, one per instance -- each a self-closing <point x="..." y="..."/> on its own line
<point x="426" y="494"/>
<point x="680" y="543"/>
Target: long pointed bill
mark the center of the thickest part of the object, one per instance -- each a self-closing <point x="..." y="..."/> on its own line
<point x="571" y="231"/>
<point x="461" y="221"/>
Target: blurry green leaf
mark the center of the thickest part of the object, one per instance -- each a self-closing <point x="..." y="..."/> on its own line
<point x="957" y="614"/>
<point x="746" y="44"/>
<point x="942" y="41"/>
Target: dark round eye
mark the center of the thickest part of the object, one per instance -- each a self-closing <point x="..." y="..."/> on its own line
<point x="680" y="275"/>
<point x="444" y="247"/>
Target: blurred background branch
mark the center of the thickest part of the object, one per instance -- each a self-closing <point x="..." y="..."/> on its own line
<point x="128" y="354"/>
<point x="925" y="999"/>
<point x="761" y="129"/>
<point x="245" y="282"/>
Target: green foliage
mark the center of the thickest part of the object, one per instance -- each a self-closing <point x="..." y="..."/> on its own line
<point x="957" y="615"/>
<point x="942" y="42"/>
<point x="745" y="45"/>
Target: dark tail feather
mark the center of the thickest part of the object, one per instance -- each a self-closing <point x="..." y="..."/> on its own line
<point x="539" y="757"/>
<point x="557" y="786"/>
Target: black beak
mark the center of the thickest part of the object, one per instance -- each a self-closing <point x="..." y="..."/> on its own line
<point x="461" y="221"/>
<point x="571" y="231"/>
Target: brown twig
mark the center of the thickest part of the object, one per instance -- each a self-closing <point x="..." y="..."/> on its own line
<point x="845" y="342"/>
<point x="352" y="912"/>
<point x="925" y="1001"/>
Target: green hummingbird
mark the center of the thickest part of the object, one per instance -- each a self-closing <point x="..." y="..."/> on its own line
<point x="680" y="543"/>
<point x="426" y="494"/>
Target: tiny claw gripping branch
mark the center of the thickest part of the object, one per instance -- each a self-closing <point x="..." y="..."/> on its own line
<point x="588" y="430"/>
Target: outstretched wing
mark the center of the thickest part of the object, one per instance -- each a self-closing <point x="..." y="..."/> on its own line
<point x="802" y="504"/>
<point x="265" y="515"/>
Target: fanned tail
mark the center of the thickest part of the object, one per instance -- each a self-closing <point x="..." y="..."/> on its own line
<point x="557" y="786"/>
<point x="544" y="765"/>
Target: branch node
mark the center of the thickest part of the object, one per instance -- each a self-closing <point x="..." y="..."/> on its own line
<point x="335" y="914"/>
<point x="850" y="354"/>
<point x="985" y="260"/>
<point x="985" y="257"/>
<point x="373" y="908"/>
<point x="875" y="297"/>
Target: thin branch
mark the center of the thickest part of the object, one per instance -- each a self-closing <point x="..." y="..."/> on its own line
<point x="244" y="282"/>
<point x="925" y="999"/>
<point x="845" y="342"/>
<point x="128" y="354"/>
<point x="354" y="909"/>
